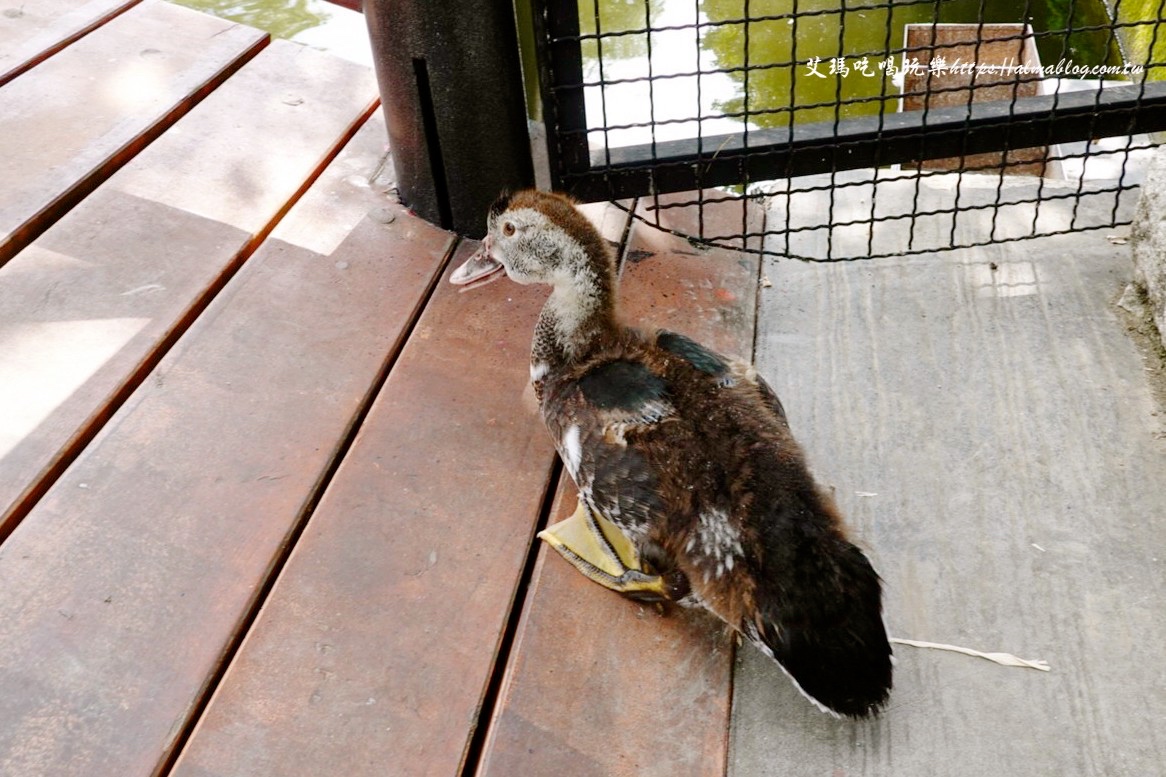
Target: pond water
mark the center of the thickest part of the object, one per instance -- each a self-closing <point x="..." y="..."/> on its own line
<point x="314" y="23"/>
<point x="707" y="71"/>
<point x="699" y="76"/>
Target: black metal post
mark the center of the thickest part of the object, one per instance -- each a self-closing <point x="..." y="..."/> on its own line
<point x="451" y="88"/>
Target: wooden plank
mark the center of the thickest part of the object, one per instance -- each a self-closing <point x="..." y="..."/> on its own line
<point x="30" y="32"/>
<point x="128" y="583"/>
<point x="378" y="639"/>
<point x="997" y="448"/>
<point x="637" y="692"/>
<point x="376" y="645"/>
<point x="88" y="309"/>
<point x="77" y="117"/>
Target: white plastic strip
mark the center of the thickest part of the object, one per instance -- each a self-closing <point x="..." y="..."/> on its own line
<point x="1004" y="659"/>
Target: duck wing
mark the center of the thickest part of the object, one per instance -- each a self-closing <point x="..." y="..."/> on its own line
<point x="599" y="418"/>
<point x="727" y="371"/>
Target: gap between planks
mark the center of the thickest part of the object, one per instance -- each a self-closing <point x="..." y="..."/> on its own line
<point x="310" y="488"/>
<point x="34" y="54"/>
<point x="317" y="493"/>
<point x="85" y="435"/>
<point x="34" y="225"/>
<point x="476" y="745"/>
<point x="234" y="729"/>
<point x="475" y="748"/>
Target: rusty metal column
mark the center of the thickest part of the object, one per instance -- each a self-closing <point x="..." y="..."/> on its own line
<point x="452" y="92"/>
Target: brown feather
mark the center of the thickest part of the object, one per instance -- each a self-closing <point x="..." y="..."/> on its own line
<point x="691" y="455"/>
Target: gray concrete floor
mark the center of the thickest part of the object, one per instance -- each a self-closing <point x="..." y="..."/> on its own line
<point x="993" y="437"/>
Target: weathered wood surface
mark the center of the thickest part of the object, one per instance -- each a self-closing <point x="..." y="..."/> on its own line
<point x="112" y="92"/>
<point x="90" y="305"/>
<point x="33" y="30"/>
<point x="993" y="439"/>
<point x="377" y="644"/>
<point x="126" y="587"/>
<point x="202" y="409"/>
<point x="598" y="685"/>
<point x="1001" y="404"/>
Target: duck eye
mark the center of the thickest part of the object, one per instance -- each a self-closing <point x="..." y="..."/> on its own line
<point x="508" y="228"/>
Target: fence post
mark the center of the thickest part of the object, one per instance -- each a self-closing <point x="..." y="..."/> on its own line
<point x="452" y="93"/>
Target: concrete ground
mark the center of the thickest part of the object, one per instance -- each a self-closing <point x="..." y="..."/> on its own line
<point x="991" y="431"/>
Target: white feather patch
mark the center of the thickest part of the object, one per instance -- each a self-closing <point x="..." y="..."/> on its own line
<point x="572" y="450"/>
<point x="719" y="538"/>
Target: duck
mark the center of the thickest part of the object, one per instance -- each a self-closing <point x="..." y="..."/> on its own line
<point x="691" y="486"/>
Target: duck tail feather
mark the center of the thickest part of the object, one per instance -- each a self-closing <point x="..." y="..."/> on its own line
<point x="826" y="631"/>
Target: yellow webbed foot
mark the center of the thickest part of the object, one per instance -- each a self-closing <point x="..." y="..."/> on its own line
<point x="599" y="550"/>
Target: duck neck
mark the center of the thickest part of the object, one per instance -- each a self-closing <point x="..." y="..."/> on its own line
<point x="579" y="311"/>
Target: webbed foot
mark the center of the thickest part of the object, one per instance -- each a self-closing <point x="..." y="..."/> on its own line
<point x="599" y="550"/>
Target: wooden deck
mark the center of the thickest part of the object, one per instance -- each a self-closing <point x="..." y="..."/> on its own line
<point x="270" y="489"/>
<point x="269" y="486"/>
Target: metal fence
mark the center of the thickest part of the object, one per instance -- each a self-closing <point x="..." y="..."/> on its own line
<point x="863" y="128"/>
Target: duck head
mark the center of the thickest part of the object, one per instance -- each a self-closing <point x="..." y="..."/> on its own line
<point x="538" y="237"/>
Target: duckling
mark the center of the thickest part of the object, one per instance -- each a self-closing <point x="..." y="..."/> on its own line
<point x="691" y="486"/>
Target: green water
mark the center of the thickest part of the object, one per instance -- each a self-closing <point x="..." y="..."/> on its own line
<point x="315" y="23"/>
<point x="282" y="18"/>
<point x="861" y="32"/>
<point x="1143" y="43"/>
<point x="824" y="29"/>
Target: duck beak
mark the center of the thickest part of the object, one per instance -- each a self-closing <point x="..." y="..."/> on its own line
<point x="480" y="269"/>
